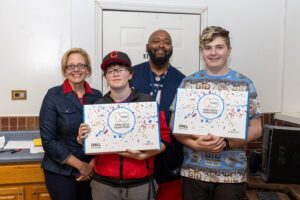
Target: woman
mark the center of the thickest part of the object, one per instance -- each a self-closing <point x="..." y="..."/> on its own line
<point x="66" y="168"/>
<point x="126" y="175"/>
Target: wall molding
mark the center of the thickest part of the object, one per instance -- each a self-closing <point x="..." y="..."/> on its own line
<point x="101" y="5"/>
<point x="150" y="7"/>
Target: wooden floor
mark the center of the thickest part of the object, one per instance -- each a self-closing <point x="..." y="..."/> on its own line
<point x="251" y="195"/>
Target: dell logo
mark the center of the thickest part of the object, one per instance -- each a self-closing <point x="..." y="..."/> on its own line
<point x="183" y="126"/>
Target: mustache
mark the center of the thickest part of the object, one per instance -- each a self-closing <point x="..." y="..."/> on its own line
<point x="159" y="49"/>
<point x="159" y="61"/>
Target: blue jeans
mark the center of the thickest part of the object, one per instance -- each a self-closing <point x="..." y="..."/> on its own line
<point x="66" y="187"/>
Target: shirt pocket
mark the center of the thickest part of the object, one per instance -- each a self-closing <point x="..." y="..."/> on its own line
<point x="69" y="118"/>
<point x="66" y="109"/>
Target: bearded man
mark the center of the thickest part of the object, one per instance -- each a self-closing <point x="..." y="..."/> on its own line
<point x="160" y="79"/>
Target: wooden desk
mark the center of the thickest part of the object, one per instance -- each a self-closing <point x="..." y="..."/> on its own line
<point x="255" y="183"/>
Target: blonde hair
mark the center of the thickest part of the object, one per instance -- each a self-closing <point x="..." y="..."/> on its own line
<point x="81" y="51"/>
<point x="212" y="32"/>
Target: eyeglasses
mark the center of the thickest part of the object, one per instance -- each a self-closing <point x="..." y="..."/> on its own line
<point x="79" y="66"/>
<point x="120" y="71"/>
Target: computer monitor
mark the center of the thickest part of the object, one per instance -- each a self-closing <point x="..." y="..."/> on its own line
<point x="281" y="154"/>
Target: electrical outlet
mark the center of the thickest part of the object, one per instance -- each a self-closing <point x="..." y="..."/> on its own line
<point x="18" y="95"/>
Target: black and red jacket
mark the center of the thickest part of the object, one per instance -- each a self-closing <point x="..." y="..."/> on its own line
<point x="114" y="166"/>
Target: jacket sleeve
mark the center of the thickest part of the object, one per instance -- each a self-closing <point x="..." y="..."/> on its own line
<point x="164" y="129"/>
<point x="52" y="144"/>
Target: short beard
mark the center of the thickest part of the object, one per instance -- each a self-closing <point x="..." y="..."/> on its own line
<point x="161" y="60"/>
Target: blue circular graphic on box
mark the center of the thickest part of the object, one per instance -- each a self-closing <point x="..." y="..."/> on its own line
<point x="210" y="106"/>
<point x="121" y="121"/>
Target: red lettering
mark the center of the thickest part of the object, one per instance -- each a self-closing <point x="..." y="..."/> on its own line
<point x="114" y="54"/>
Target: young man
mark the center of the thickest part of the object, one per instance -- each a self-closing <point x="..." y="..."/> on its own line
<point x="222" y="171"/>
<point x="125" y="175"/>
<point x="159" y="79"/>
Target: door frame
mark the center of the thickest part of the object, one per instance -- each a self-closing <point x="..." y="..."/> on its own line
<point x="101" y="5"/>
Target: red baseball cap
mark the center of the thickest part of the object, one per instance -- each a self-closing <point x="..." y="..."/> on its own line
<point x="115" y="57"/>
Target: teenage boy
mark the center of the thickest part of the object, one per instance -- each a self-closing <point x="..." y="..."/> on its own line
<point x="215" y="168"/>
<point x="125" y="175"/>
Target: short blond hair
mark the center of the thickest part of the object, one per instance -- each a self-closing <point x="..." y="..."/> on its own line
<point x="212" y="32"/>
<point x="64" y="60"/>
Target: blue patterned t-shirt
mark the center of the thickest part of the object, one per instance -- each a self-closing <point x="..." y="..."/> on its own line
<point x="227" y="166"/>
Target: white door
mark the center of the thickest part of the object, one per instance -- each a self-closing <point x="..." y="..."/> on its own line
<point x="129" y="32"/>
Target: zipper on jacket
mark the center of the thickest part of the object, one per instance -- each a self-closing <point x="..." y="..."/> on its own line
<point x="121" y="175"/>
<point x="121" y="170"/>
<point x="147" y="166"/>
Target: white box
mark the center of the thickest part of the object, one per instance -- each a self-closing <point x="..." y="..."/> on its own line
<point x="220" y="112"/>
<point x="120" y="126"/>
